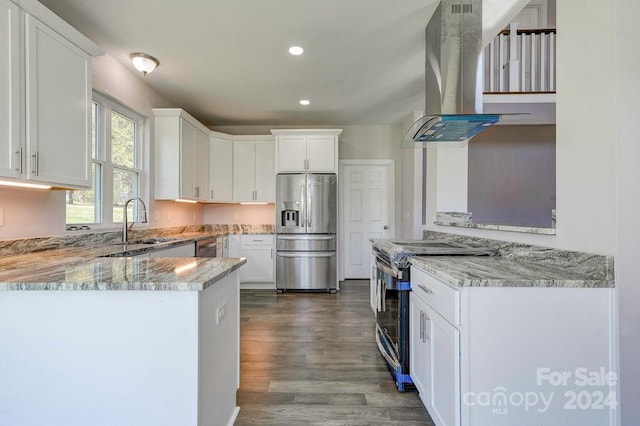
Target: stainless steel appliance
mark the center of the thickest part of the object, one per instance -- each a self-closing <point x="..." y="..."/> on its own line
<point x="207" y="247"/>
<point x="306" y="216"/>
<point x="393" y="287"/>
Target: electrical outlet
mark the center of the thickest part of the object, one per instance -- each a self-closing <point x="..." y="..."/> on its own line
<point x="193" y="216"/>
<point x="1" y="216"/>
<point x="221" y="313"/>
<point x="157" y="217"/>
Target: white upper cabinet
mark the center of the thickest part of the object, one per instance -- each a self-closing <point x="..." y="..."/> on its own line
<point x="220" y="167"/>
<point x="305" y="150"/>
<point x="254" y="169"/>
<point x="182" y="156"/>
<point x="10" y="144"/>
<point x="45" y="97"/>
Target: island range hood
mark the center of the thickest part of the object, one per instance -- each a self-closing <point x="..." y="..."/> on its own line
<point x="453" y="76"/>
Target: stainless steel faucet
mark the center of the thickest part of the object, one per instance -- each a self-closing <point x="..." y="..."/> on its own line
<point x="125" y="227"/>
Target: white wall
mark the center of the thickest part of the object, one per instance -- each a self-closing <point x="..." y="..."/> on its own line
<point x="626" y="128"/>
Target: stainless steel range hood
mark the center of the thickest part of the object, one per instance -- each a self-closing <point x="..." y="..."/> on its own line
<point x="453" y="76"/>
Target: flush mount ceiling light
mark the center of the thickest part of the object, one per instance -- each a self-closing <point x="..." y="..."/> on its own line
<point x="296" y="50"/>
<point x="305" y="102"/>
<point x="143" y="62"/>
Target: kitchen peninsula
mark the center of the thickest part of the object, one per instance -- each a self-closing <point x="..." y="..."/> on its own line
<point x="120" y="340"/>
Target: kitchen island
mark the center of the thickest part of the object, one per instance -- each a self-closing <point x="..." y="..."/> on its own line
<point x="118" y="340"/>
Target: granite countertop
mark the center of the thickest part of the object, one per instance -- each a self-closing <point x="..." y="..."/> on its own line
<point x="122" y="273"/>
<point x="476" y="271"/>
<point x="517" y="265"/>
<point x="97" y="262"/>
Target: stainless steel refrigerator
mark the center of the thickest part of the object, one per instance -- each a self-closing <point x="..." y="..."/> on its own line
<point x="306" y="216"/>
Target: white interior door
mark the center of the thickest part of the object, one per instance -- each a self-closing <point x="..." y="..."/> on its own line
<point x="367" y="211"/>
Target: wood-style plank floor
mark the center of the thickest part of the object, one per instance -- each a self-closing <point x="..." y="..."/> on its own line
<point x="311" y="359"/>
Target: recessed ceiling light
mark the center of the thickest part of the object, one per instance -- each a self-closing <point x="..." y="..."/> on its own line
<point x="296" y="50"/>
<point x="305" y="102"/>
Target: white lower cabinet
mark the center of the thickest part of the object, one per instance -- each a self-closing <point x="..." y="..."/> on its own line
<point x="435" y="360"/>
<point x="512" y="355"/>
<point x="259" y="250"/>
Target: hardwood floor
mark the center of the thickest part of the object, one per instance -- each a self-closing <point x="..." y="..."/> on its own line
<point x="311" y="359"/>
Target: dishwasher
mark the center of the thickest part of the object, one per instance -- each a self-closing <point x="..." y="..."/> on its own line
<point x="207" y="247"/>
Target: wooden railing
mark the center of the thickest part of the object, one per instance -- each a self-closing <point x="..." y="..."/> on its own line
<point x="522" y="61"/>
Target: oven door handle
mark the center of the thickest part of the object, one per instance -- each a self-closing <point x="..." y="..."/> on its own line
<point x="387" y="270"/>
<point x="389" y="357"/>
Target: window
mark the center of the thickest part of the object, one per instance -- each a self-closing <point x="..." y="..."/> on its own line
<point x="116" y="166"/>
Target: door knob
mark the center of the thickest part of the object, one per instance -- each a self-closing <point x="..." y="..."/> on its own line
<point x="386" y="227"/>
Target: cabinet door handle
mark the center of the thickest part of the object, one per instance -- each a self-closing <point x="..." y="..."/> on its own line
<point x="427" y="332"/>
<point x="425" y="289"/>
<point x="36" y="163"/>
<point x="19" y="154"/>
<point x="422" y="326"/>
<point x="197" y="191"/>
<point x="211" y="194"/>
<point x="272" y="253"/>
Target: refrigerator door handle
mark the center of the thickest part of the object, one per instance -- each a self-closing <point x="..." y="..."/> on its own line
<point x="309" y="204"/>
<point x="307" y="254"/>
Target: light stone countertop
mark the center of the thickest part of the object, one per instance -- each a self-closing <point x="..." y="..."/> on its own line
<point x="109" y="265"/>
<point x="486" y="271"/>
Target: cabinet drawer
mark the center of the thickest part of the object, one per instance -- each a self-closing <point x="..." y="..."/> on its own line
<point x="260" y="239"/>
<point x="442" y="297"/>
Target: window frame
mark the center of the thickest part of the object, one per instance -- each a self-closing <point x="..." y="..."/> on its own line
<point x="101" y="160"/>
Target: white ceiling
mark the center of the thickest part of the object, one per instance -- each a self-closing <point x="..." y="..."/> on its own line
<point x="226" y="61"/>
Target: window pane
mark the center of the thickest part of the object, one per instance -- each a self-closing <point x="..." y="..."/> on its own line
<point x="94" y="129"/>
<point x="81" y="205"/>
<point x="123" y="136"/>
<point x="125" y="186"/>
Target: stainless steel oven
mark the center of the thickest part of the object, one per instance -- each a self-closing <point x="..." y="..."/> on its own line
<point x="392" y="294"/>
<point x="392" y="320"/>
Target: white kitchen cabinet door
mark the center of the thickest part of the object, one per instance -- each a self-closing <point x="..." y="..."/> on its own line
<point x="244" y="171"/>
<point x="201" y="162"/>
<point x="193" y="162"/>
<point x="58" y="100"/>
<point x="182" y="156"/>
<point x="187" y="159"/>
<point x="292" y="153"/>
<point x="312" y="151"/>
<point x="220" y="169"/>
<point x="321" y="153"/>
<point x="419" y="347"/>
<point x="443" y="375"/>
<point x="234" y="246"/>
<point x="265" y="171"/>
<point x="254" y="176"/>
<point x="259" y="266"/>
<point x="10" y="145"/>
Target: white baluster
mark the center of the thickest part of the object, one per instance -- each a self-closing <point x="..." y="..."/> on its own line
<point x="552" y="62"/>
